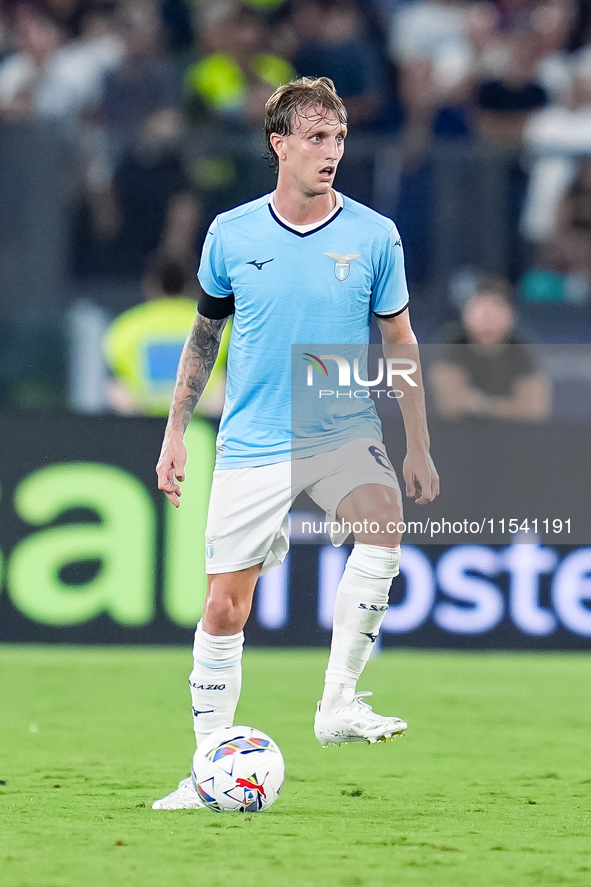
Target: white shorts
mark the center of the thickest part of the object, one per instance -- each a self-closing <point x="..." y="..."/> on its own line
<point x="247" y="522"/>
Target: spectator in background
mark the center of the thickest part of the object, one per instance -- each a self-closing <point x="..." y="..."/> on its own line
<point x="435" y="31"/>
<point x="566" y="124"/>
<point x="506" y="102"/>
<point x="147" y="206"/>
<point x="39" y="36"/>
<point x="75" y="75"/>
<point x="143" y="346"/>
<point x="238" y="69"/>
<point x="424" y="114"/>
<point x="552" y="22"/>
<point x="563" y="269"/>
<point x="406" y="169"/>
<point x="484" y="369"/>
<point x="334" y="44"/>
<point x="572" y="245"/>
<point x="143" y="82"/>
<point x="137" y="197"/>
<point x="554" y="137"/>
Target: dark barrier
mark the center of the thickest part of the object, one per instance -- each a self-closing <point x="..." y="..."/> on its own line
<point x="90" y="552"/>
<point x="36" y="162"/>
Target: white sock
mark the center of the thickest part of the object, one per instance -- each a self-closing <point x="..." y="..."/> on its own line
<point x="215" y="680"/>
<point x="360" y="607"/>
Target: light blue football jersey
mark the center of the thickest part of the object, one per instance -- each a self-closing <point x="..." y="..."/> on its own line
<point x="291" y="289"/>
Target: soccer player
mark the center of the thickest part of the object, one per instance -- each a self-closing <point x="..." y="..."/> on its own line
<point x="302" y="265"/>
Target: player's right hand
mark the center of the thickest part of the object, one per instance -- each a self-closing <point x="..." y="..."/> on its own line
<point x="171" y="469"/>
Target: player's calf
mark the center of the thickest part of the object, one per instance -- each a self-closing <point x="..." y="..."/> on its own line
<point x="360" y="607"/>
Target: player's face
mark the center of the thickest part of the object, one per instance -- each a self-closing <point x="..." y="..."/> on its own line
<point x="310" y="155"/>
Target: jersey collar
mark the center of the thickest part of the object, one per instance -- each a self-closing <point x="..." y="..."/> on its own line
<point x="306" y="230"/>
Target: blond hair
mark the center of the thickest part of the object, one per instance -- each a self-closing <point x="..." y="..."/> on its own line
<point x="295" y="98"/>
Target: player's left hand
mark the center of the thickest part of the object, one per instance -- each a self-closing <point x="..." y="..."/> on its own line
<point x="420" y="477"/>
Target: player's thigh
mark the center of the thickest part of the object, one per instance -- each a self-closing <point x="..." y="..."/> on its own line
<point x="374" y="512"/>
<point x="247" y="518"/>
<point x="356" y="483"/>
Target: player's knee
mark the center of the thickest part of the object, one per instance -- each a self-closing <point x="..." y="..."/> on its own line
<point x="224" y="613"/>
<point x="382" y="526"/>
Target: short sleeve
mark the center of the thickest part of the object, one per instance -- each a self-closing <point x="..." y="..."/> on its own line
<point x="212" y="274"/>
<point x="390" y="292"/>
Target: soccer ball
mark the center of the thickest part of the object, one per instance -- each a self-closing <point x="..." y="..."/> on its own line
<point x="238" y="769"/>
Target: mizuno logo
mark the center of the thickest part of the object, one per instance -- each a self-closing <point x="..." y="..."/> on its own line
<point x="259" y="265"/>
<point x="373" y="637"/>
<point x="208" y="712"/>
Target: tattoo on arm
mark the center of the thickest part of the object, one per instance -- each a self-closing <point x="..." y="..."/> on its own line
<point x="196" y="364"/>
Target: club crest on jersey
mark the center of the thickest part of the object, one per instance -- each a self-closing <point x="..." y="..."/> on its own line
<point x="342" y="264"/>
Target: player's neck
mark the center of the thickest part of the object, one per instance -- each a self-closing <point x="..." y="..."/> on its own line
<point x="298" y="208"/>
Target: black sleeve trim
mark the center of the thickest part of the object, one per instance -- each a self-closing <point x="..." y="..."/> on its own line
<point x="215" y="308"/>
<point x="393" y="313"/>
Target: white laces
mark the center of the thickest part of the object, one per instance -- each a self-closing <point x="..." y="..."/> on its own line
<point x="351" y="698"/>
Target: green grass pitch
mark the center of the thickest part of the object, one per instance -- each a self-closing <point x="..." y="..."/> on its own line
<point x="490" y="786"/>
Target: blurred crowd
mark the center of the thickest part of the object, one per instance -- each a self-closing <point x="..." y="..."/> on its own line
<point x="129" y="75"/>
<point x="458" y="67"/>
<point x="127" y="79"/>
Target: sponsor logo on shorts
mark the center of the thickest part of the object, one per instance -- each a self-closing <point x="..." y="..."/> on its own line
<point x="208" y="686"/>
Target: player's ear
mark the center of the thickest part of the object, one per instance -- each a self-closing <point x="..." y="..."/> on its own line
<point x="277" y="143"/>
